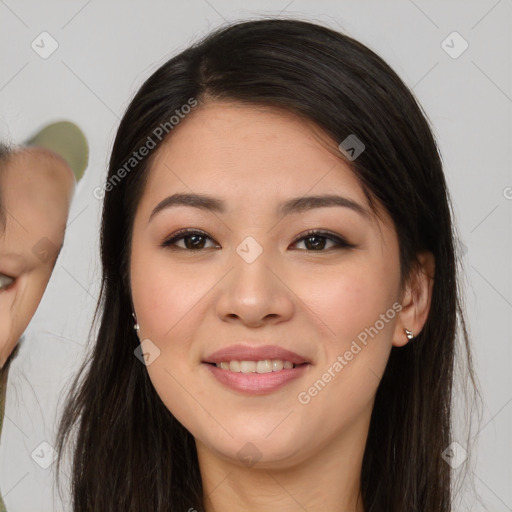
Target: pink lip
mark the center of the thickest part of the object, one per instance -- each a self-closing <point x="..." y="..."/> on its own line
<point x="247" y="353"/>
<point x="256" y="383"/>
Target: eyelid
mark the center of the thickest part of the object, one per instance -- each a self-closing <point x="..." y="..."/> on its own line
<point x="168" y="241"/>
<point x="340" y="241"/>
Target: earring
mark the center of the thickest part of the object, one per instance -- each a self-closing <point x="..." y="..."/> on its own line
<point x="409" y="334"/>
<point x="136" y="326"/>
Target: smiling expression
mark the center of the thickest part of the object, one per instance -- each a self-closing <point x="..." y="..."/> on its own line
<point x="251" y="185"/>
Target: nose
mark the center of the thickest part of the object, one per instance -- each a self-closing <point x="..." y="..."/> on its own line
<point x="255" y="294"/>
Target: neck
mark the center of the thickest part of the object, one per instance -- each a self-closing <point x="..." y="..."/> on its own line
<point x="327" y="480"/>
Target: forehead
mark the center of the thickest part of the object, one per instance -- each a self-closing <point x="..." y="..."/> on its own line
<point x="247" y="151"/>
<point x="34" y="199"/>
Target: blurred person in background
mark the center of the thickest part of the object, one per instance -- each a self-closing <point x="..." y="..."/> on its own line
<point x="37" y="184"/>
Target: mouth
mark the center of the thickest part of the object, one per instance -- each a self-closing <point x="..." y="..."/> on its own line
<point x="261" y="366"/>
<point x="255" y="370"/>
<point x="245" y="355"/>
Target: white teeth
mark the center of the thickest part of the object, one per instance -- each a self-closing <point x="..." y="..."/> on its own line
<point x="264" y="366"/>
<point x="247" y="366"/>
<point x="277" y="365"/>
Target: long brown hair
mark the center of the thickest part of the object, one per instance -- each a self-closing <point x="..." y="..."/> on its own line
<point x="345" y="88"/>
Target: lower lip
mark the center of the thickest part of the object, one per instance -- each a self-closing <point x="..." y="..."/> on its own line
<point x="256" y="383"/>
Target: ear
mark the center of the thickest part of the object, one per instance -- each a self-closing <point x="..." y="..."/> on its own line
<point x="416" y="300"/>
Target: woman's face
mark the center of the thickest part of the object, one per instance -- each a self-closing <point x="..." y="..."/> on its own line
<point x="37" y="187"/>
<point x="253" y="279"/>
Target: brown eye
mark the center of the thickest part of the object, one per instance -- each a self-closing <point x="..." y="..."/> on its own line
<point x="316" y="241"/>
<point x="193" y="240"/>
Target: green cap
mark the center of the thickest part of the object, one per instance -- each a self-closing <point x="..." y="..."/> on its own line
<point x="68" y="141"/>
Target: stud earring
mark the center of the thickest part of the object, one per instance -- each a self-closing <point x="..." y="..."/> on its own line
<point x="409" y="334"/>
<point x="136" y="326"/>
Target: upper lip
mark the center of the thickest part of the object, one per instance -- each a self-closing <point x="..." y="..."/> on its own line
<point x="242" y="352"/>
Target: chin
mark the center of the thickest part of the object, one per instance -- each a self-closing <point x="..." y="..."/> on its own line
<point x="271" y="452"/>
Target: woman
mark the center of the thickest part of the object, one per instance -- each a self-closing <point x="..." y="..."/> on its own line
<point x="278" y="250"/>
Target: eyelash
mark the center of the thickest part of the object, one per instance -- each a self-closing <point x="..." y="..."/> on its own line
<point x="341" y="243"/>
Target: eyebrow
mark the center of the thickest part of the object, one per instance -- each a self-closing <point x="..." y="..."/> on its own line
<point x="290" y="206"/>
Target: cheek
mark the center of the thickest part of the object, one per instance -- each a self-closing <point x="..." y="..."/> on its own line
<point x="167" y="297"/>
<point x="7" y="336"/>
<point x="28" y="298"/>
<point x="349" y="300"/>
<point x="17" y="307"/>
<point x="355" y="304"/>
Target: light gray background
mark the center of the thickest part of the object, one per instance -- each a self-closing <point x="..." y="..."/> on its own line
<point x="107" y="48"/>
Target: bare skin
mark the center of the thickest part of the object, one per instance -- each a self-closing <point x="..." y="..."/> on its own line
<point x="36" y="190"/>
<point x="190" y="302"/>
